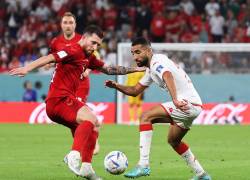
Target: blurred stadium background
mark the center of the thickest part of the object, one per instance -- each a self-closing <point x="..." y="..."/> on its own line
<point x="221" y="75"/>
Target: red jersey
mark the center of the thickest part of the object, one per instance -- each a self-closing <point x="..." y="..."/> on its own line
<point x="71" y="63"/>
<point x="59" y="42"/>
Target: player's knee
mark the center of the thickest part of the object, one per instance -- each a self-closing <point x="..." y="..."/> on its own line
<point x="93" y="120"/>
<point x="145" y="117"/>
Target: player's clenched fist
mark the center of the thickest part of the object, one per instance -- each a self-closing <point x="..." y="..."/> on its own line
<point x="110" y="84"/>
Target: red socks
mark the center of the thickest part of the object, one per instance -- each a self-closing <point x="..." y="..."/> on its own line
<point x="145" y="127"/>
<point x="82" y="134"/>
<point x="87" y="152"/>
<point x="181" y="148"/>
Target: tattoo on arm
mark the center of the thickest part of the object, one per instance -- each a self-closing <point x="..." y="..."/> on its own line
<point x="117" y="70"/>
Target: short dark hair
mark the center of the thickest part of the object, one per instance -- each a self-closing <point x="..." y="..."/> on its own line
<point x="69" y="14"/>
<point x="141" y="41"/>
<point x="93" y="29"/>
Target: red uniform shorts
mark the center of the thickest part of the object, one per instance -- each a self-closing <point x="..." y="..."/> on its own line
<point x="63" y="110"/>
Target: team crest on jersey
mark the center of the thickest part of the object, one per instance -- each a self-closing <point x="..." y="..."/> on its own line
<point x="159" y="68"/>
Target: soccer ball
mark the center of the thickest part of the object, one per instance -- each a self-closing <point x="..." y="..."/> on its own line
<point x="115" y="162"/>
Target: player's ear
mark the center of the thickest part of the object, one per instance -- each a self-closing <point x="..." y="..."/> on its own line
<point x="83" y="39"/>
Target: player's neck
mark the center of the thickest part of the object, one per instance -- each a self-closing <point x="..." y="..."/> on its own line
<point x="69" y="37"/>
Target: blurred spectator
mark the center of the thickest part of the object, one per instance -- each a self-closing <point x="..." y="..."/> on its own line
<point x="42" y="11"/>
<point x="158" y="27"/>
<point x="188" y="6"/>
<point x="174" y="26"/>
<point x="212" y="7"/>
<point x="56" y="5"/>
<point x="143" y="19"/>
<point x="110" y="17"/>
<point x="80" y="11"/>
<point x="38" y="85"/>
<point x="231" y="23"/>
<point x="13" y="19"/>
<point x="187" y="35"/>
<point x="157" y="6"/>
<point x="195" y="22"/>
<point x="30" y="94"/>
<point x="3" y="67"/>
<point x="217" y="23"/>
<point x="231" y="99"/>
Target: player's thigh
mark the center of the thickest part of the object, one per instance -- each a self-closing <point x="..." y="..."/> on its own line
<point x="85" y="114"/>
<point x="176" y="134"/>
<point x="131" y="100"/>
<point x="156" y="113"/>
<point x="63" y="110"/>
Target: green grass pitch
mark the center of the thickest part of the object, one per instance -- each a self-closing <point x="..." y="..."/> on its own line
<point x="35" y="152"/>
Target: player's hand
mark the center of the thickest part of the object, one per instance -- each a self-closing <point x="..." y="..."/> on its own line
<point x="141" y="69"/>
<point x="110" y="84"/>
<point x="182" y="105"/>
<point x="21" y="72"/>
<point x="86" y="73"/>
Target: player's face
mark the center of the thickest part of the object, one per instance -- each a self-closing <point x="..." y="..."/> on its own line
<point x="68" y="25"/>
<point x="140" y="55"/>
<point x="92" y="42"/>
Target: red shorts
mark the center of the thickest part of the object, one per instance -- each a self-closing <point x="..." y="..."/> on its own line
<point x="63" y="110"/>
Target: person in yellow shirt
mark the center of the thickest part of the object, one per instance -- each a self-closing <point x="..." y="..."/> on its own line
<point x="135" y="103"/>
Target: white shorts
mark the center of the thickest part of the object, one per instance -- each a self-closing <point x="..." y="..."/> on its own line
<point x="180" y="118"/>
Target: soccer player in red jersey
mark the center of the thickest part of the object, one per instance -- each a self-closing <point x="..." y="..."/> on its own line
<point x="69" y="36"/>
<point x="61" y="104"/>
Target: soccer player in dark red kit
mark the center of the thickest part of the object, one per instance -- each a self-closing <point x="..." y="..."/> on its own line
<point x="69" y="36"/>
<point x="62" y="105"/>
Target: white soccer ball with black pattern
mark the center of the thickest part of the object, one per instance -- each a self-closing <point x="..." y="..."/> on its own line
<point x="116" y="162"/>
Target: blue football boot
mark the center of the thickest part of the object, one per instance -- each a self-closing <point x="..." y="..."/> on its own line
<point x="203" y="177"/>
<point x="138" y="171"/>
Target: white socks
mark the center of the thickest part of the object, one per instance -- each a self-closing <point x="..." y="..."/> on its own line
<point x="145" y="144"/>
<point x="193" y="162"/>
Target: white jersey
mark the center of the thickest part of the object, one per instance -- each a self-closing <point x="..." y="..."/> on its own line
<point x="159" y="64"/>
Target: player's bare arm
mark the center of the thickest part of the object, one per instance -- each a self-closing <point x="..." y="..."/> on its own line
<point x="22" y="71"/>
<point x="128" y="90"/>
<point x="120" y="70"/>
<point x="169" y="80"/>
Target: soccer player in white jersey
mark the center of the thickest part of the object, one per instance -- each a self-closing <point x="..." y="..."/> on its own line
<point x="185" y="106"/>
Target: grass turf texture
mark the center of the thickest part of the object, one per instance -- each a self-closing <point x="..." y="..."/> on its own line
<point x="35" y="152"/>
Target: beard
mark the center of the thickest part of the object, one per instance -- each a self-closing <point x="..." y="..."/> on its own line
<point x="88" y="53"/>
<point x="142" y="63"/>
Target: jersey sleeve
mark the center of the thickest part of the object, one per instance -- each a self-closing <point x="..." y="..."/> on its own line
<point x="146" y="80"/>
<point x="68" y="53"/>
<point x="95" y="63"/>
<point x="61" y="55"/>
<point x="160" y="66"/>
